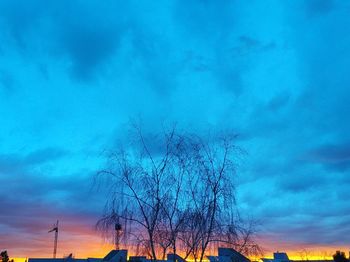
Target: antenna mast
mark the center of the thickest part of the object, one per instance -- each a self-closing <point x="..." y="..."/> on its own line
<point x="55" y="228"/>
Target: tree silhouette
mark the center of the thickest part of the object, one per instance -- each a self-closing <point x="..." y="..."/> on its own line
<point x="176" y="192"/>
<point x="5" y="257"/>
<point x="340" y="257"/>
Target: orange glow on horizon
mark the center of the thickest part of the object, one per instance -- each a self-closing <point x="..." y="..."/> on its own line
<point x="85" y="244"/>
<point x="19" y="259"/>
<point x="290" y="255"/>
<point x="320" y="254"/>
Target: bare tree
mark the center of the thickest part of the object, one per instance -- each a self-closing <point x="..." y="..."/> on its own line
<point x="192" y="234"/>
<point x="211" y="188"/>
<point x="304" y="254"/>
<point x="240" y="235"/>
<point x="177" y="190"/>
<point x="146" y="181"/>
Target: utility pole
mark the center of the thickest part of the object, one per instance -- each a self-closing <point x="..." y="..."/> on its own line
<point x="55" y="228"/>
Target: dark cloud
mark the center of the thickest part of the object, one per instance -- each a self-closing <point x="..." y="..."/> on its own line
<point x="248" y="45"/>
<point x="293" y="182"/>
<point x="331" y="153"/>
<point x="278" y="101"/>
<point x="19" y="17"/>
<point x="7" y="82"/>
<point x="334" y="157"/>
<point x="9" y="163"/>
<point x="319" y="7"/>
<point x="86" y="39"/>
<point x="89" y="46"/>
<point x="44" y="155"/>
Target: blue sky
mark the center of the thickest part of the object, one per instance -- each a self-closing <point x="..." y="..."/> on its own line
<point x="73" y="73"/>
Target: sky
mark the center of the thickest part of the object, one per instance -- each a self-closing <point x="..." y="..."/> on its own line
<point x="73" y="74"/>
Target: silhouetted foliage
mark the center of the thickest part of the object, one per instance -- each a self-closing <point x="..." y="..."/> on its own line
<point x="340" y="257"/>
<point x="5" y="257"/>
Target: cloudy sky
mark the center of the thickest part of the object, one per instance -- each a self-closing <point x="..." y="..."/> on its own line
<point x="73" y="73"/>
